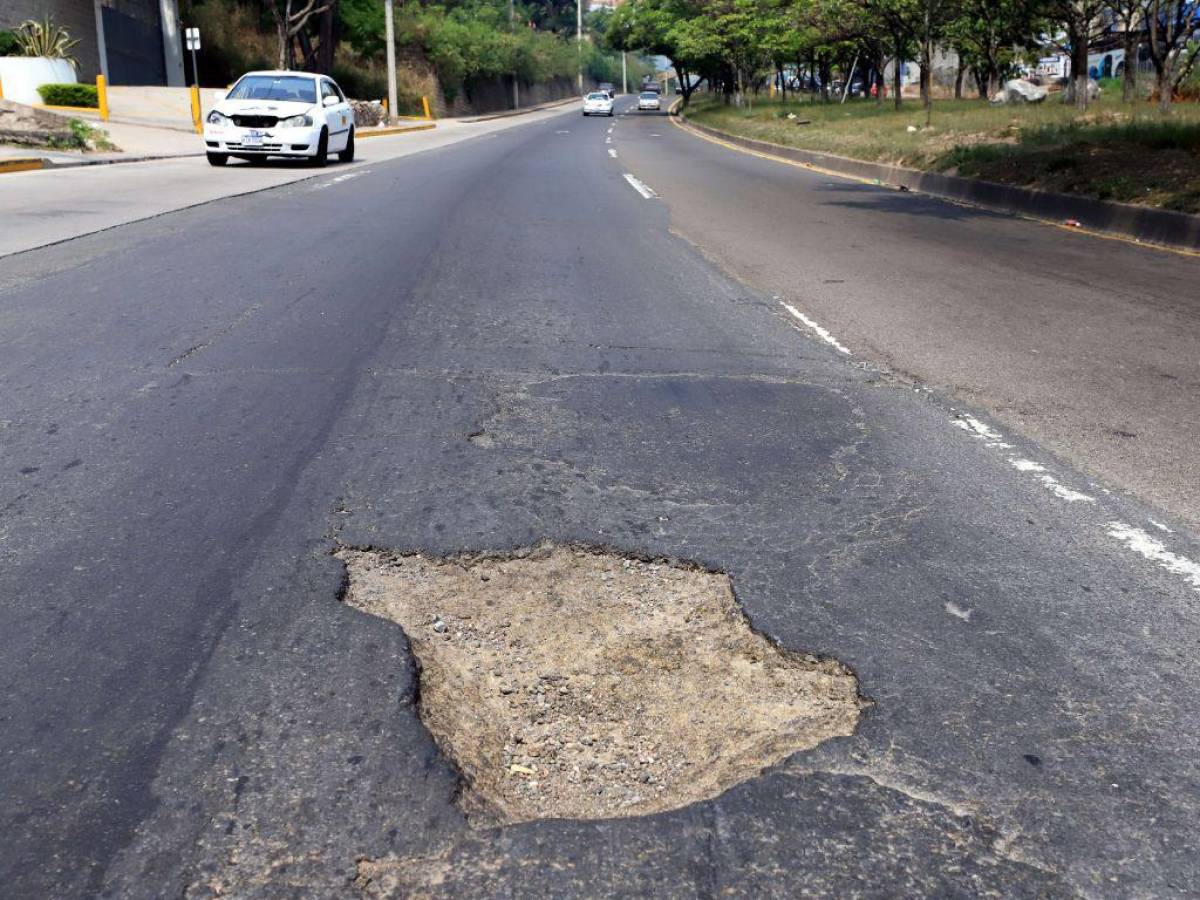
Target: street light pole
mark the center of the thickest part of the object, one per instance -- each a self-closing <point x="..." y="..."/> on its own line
<point x="390" y="34"/>
<point x="512" y="29"/>
<point x="624" y="75"/>
<point x="579" y="43"/>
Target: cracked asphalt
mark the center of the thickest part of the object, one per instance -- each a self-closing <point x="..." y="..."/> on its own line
<point x="478" y="348"/>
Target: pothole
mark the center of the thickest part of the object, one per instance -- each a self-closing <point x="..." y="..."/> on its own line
<point x="576" y="683"/>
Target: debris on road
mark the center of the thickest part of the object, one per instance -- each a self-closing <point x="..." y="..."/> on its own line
<point x="574" y="682"/>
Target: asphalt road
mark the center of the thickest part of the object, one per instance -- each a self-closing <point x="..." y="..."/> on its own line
<point x="196" y="407"/>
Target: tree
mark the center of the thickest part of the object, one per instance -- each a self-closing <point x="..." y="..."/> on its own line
<point x="1172" y="50"/>
<point x="988" y="33"/>
<point x="1129" y="14"/>
<point x="1083" y="23"/>
<point x="289" y="24"/>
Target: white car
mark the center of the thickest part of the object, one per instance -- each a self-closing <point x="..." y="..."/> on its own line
<point x="296" y="114"/>
<point x="649" y="100"/>
<point x="597" y="103"/>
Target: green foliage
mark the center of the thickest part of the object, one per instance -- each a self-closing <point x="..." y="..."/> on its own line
<point x="69" y="95"/>
<point x="9" y="44"/>
<point x="46" y="39"/>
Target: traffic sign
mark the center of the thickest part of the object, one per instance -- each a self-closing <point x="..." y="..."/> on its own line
<point x="193" y="38"/>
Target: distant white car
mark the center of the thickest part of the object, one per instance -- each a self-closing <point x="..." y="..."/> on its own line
<point x="597" y="103"/>
<point x="649" y="100"/>
<point x="266" y="114"/>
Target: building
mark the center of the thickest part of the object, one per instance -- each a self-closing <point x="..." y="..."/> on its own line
<point x="135" y="42"/>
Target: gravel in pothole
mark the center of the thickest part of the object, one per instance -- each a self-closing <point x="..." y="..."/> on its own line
<point x="572" y="682"/>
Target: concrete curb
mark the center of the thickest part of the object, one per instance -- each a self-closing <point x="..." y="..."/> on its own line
<point x="1161" y="227"/>
<point x="520" y="112"/>
<point x="395" y="129"/>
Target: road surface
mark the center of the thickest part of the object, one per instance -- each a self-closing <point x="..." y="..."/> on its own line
<point x="506" y="340"/>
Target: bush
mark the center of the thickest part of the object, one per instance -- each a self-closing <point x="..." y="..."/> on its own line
<point x="69" y="95"/>
<point x="9" y="45"/>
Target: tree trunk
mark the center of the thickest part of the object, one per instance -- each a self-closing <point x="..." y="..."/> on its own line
<point x="327" y="31"/>
<point x="958" y="80"/>
<point x="1163" y="74"/>
<point x="1078" y="35"/>
<point x="880" y="80"/>
<point x="1129" y="76"/>
<point x="897" y="62"/>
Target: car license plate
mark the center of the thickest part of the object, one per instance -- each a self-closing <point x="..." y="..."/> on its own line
<point x="252" y="139"/>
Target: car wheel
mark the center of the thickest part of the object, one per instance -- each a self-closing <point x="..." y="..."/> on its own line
<point x="321" y="157"/>
<point x="347" y="155"/>
<point x="217" y="159"/>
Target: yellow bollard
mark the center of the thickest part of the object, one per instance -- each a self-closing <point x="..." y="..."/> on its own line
<point x="199" y="126"/>
<point x="385" y="109"/>
<point x="1" y="89"/>
<point x="425" y="103"/>
<point x="102" y="97"/>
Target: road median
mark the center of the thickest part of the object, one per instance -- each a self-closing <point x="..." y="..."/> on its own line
<point x="1159" y="227"/>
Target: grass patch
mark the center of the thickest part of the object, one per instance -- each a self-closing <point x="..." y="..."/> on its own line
<point x="1129" y="153"/>
<point x="82" y="136"/>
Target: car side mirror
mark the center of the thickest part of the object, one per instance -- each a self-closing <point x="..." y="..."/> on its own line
<point x="330" y="101"/>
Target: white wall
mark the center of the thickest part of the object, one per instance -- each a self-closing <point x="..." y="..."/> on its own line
<point x="21" y="75"/>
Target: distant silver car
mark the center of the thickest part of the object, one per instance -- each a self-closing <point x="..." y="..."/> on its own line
<point x="597" y="103"/>
<point x="649" y="100"/>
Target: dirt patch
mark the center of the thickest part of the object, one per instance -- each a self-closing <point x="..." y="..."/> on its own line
<point x="572" y="682"/>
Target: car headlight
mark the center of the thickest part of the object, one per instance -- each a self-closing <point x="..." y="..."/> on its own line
<point x="215" y="118"/>
<point x="296" y="122"/>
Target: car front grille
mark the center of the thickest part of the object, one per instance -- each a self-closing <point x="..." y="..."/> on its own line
<point x="264" y="148"/>
<point x="255" y="121"/>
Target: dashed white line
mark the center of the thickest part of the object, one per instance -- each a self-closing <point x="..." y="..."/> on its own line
<point x="1154" y="550"/>
<point x="1161" y="527"/>
<point x="643" y="189"/>
<point x="973" y="426"/>
<point x="608" y="140"/>
<point x="612" y="152"/>
<point x="815" y="328"/>
<point x="1056" y="487"/>
<point x="1062" y="492"/>
<point x="338" y="180"/>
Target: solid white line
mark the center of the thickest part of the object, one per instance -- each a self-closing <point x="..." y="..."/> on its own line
<point x="643" y="189"/>
<point x="612" y="152"/>
<point x="815" y="328"/>
<point x="1154" y="550"/>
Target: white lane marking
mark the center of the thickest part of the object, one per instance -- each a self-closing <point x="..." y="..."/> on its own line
<point x="338" y="180"/>
<point x="1154" y="550"/>
<point x="1062" y="491"/>
<point x="608" y="140"/>
<point x="1052" y="484"/>
<point x="610" y="128"/>
<point x="643" y="189"/>
<point x="815" y="328"/>
<point x="957" y="611"/>
<point x="1161" y="527"/>
<point x="612" y="152"/>
<point x="562" y="132"/>
<point x="973" y="426"/>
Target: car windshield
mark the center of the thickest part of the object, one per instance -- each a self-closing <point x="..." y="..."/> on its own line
<point x="275" y="87"/>
<point x="597" y="96"/>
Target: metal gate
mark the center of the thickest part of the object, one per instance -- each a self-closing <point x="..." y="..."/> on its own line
<point x="135" y="49"/>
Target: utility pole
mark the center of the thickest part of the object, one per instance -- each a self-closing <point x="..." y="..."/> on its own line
<point x="512" y="30"/>
<point x="390" y="34"/>
<point x="624" y="75"/>
<point x="579" y="43"/>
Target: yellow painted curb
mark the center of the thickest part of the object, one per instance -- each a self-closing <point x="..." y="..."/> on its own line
<point x="683" y="124"/>
<point x="402" y="129"/>
<point x="21" y="164"/>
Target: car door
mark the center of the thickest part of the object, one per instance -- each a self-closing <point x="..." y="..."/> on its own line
<point x="337" y="115"/>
